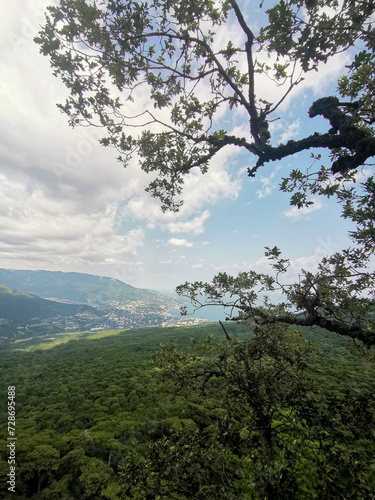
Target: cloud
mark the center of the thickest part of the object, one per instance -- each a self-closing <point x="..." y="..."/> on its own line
<point x="52" y="234"/>
<point x="291" y="131"/>
<point x="197" y="266"/>
<point x="199" y="191"/>
<point x="217" y="184"/>
<point x="316" y="81"/>
<point x="42" y="155"/>
<point x="62" y="195"/>
<point x="179" y="243"/>
<point x="267" y="184"/>
<point x="310" y="262"/>
<point x="298" y="213"/>
<point x="319" y="80"/>
<point x="194" y="226"/>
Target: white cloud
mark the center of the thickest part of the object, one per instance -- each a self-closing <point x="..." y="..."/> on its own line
<point x="197" y="266"/>
<point x="180" y="243"/>
<point x="199" y="191"/>
<point x="309" y="262"/>
<point x="290" y="132"/>
<point x="216" y="184"/>
<point x="262" y="265"/>
<point x="316" y="81"/>
<point x="50" y="232"/>
<point x="194" y="226"/>
<point x="267" y="184"/>
<point x="298" y="213"/>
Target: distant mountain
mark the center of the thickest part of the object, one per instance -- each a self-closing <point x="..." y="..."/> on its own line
<point x="78" y="288"/>
<point x="23" y="315"/>
<point x="41" y="303"/>
<point x="22" y="307"/>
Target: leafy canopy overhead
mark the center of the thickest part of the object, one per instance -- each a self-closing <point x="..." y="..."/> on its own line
<point x="107" y="51"/>
<point x="172" y="50"/>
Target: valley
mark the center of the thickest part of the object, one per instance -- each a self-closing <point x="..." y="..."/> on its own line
<point x="44" y="303"/>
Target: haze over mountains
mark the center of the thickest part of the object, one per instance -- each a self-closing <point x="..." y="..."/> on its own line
<point x="76" y="287"/>
<point x="25" y="306"/>
<point x="40" y="303"/>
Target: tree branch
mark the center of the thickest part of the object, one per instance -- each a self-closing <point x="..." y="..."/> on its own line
<point x="354" y="331"/>
<point x="225" y="331"/>
<point x="353" y="141"/>
<point x="254" y="117"/>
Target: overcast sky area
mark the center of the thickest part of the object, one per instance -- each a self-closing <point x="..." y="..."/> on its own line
<point x="66" y="204"/>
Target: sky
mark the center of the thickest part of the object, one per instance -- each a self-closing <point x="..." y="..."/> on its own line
<point x="66" y="204"/>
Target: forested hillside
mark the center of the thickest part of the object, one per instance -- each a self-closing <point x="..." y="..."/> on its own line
<point x="23" y="315"/>
<point x="20" y="306"/>
<point x="94" y="419"/>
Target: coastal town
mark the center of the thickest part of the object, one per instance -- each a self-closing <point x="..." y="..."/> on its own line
<point x="127" y="315"/>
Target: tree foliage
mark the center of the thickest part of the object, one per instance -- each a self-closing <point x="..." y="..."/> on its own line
<point x="339" y="297"/>
<point x="270" y="421"/>
<point x="105" y="51"/>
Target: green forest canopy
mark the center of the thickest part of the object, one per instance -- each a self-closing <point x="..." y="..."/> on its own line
<point x="109" y="428"/>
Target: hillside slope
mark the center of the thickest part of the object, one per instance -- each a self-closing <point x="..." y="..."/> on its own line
<point x="100" y="304"/>
<point x="77" y="287"/>
<point x="21" y="306"/>
<point x="23" y="315"/>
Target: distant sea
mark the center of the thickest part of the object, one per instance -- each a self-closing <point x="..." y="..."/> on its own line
<point x="211" y="313"/>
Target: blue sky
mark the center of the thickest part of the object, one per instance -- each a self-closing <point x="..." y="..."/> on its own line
<point x="67" y="205"/>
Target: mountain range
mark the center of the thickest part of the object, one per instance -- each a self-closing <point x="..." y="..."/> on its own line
<point x="21" y="306"/>
<point x="40" y="303"/>
<point x="76" y="287"/>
